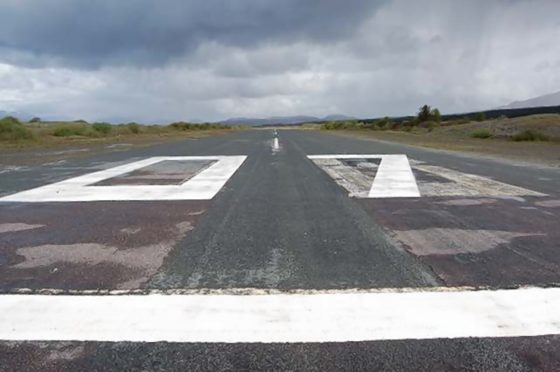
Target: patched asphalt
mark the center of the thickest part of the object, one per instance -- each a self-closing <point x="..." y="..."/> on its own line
<point x="282" y="223"/>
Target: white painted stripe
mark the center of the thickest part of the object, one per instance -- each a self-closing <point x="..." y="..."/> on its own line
<point x="282" y="318"/>
<point x="347" y="156"/>
<point x="204" y="185"/>
<point x="394" y="179"/>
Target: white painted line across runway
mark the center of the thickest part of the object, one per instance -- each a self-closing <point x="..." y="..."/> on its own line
<point x="204" y="185"/>
<point x="394" y="178"/>
<point x="283" y="317"/>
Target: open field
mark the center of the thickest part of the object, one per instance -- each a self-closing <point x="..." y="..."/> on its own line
<point x="533" y="139"/>
<point x="32" y="143"/>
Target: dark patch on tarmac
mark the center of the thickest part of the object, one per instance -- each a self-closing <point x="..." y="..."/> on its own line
<point x="90" y="245"/>
<point x="477" y="241"/>
<point x="282" y="223"/>
<point x="467" y="354"/>
<point x="166" y="172"/>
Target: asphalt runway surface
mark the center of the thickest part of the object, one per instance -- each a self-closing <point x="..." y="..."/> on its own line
<point x="246" y="217"/>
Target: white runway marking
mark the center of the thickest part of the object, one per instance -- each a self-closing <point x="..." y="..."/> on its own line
<point x="204" y="185"/>
<point x="282" y="318"/>
<point x="275" y="145"/>
<point x="394" y="178"/>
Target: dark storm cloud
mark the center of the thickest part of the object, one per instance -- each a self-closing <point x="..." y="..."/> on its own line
<point x="83" y="33"/>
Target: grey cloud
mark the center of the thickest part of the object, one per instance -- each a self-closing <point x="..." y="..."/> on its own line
<point x="83" y="33"/>
<point x="179" y="60"/>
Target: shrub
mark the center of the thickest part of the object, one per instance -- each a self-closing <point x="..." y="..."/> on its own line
<point x="481" y="116"/>
<point x="11" y="120"/>
<point x="133" y="128"/>
<point x="431" y="125"/>
<point x="436" y="116"/>
<point x="104" y="128"/>
<point x="35" y="120"/>
<point x="12" y="130"/>
<point x="182" y="126"/>
<point x="529" y="135"/>
<point x="427" y="113"/>
<point x="481" y="133"/>
<point x="424" y="113"/>
<point x="69" y="130"/>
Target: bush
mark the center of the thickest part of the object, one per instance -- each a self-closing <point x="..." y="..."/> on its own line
<point x="133" y="128"/>
<point x="12" y="130"/>
<point x="436" y="115"/>
<point x="11" y="120"/>
<point x="104" y="128"/>
<point x="35" y="120"/>
<point x="431" y="125"/>
<point x="529" y="135"/>
<point x="69" y="130"/>
<point x="481" y="133"/>
<point x="427" y="113"/>
<point x="481" y="116"/>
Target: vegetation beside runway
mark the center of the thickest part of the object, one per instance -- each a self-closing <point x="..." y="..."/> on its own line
<point x="534" y="138"/>
<point x="18" y="138"/>
<point x="14" y="132"/>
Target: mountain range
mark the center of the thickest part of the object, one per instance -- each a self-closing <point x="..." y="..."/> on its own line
<point x="552" y="99"/>
<point x="298" y="119"/>
<point x="18" y="115"/>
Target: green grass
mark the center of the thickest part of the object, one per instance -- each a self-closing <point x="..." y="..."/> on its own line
<point x="103" y="128"/>
<point x="12" y="130"/>
<point x="70" y="129"/>
<point x="481" y="133"/>
<point x="36" y="133"/>
<point x="529" y="135"/>
<point x="133" y="128"/>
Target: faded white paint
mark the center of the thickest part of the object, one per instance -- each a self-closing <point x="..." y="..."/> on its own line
<point x="357" y="181"/>
<point x="17" y="226"/>
<point x="204" y="185"/>
<point x="466" y="184"/>
<point x="394" y="177"/>
<point x="282" y="318"/>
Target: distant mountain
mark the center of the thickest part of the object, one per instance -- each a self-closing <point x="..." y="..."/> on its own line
<point x="298" y="119"/>
<point x="338" y="117"/>
<point x="19" y="115"/>
<point x="552" y="99"/>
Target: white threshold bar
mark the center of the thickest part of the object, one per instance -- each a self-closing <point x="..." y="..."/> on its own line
<point x="330" y="317"/>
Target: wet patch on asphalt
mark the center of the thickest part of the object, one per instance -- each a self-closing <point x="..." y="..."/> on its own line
<point x="118" y="245"/>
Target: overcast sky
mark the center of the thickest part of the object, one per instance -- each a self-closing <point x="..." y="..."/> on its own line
<point x="159" y="61"/>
